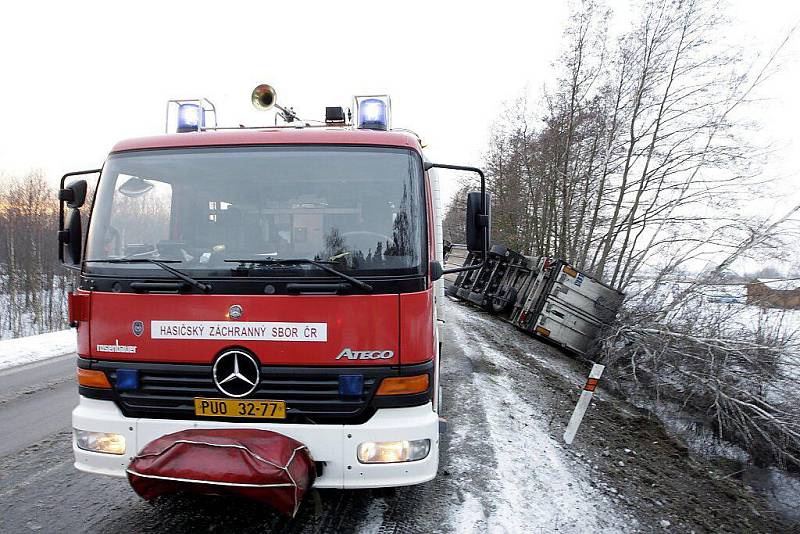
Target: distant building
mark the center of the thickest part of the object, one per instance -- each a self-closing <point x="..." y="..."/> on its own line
<point x="770" y="293"/>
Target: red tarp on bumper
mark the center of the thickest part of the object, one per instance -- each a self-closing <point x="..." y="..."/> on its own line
<point x="257" y="464"/>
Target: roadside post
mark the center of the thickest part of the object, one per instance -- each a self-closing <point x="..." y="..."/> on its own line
<point x="583" y="403"/>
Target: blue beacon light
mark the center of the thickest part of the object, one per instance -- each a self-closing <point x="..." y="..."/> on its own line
<point x="372" y="114"/>
<point x="191" y="118"/>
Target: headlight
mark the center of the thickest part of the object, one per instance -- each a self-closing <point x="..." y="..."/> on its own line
<point x="100" y="442"/>
<point x="387" y="452"/>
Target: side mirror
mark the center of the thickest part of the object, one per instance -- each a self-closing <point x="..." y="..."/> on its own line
<point x="70" y="233"/>
<point x="74" y="194"/>
<point x="70" y="237"/>
<point x="436" y="271"/>
<point x="478" y="229"/>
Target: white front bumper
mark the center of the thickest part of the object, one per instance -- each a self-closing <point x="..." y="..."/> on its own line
<point x="335" y="445"/>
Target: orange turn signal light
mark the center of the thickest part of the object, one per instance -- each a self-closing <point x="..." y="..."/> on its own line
<point x="93" y="379"/>
<point x="542" y="330"/>
<point x="404" y="385"/>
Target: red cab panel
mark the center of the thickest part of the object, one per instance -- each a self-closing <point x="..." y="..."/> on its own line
<point x="416" y="327"/>
<point x="279" y="329"/>
<point x="79" y="305"/>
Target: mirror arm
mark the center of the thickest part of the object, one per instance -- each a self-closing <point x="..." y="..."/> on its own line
<point x="71" y="267"/>
<point x="483" y="218"/>
<point x="462" y="269"/>
<point x="78" y="173"/>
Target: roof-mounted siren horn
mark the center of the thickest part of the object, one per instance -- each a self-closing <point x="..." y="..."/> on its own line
<point x="190" y="115"/>
<point x="265" y="97"/>
<point x="373" y="112"/>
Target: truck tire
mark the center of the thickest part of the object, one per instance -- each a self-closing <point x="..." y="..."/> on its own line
<point x="503" y="305"/>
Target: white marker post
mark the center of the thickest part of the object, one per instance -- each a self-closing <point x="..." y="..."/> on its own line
<point x="583" y="403"/>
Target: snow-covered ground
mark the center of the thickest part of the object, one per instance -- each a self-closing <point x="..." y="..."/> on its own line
<point x="44" y="313"/>
<point x="537" y="484"/>
<point x="508" y="398"/>
<point x="741" y="316"/>
<point x="24" y="350"/>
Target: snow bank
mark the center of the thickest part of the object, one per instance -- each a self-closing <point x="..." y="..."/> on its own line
<point x="23" y="350"/>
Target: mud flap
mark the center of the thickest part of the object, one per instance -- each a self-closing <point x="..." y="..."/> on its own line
<point x="257" y="464"/>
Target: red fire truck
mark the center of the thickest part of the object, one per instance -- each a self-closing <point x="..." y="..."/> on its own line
<point x="280" y="278"/>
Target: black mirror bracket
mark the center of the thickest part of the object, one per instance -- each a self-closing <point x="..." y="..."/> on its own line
<point x="482" y="219"/>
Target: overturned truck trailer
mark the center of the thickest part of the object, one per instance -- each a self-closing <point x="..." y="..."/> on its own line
<point x="544" y="296"/>
<point x="491" y="286"/>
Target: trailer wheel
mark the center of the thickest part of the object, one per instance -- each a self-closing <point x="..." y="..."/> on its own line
<point x="503" y="305"/>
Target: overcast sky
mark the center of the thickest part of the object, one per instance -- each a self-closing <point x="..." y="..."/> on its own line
<point x="75" y="77"/>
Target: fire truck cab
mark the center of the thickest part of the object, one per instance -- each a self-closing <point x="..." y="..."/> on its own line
<point x="276" y="278"/>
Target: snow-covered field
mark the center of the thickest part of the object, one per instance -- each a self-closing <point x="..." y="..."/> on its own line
<point x="708" y="301"/>
<point x="24" y="350"/>
<point x="42" y="312"/>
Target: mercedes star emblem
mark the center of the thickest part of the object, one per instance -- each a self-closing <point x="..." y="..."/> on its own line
<point x="235" y="311"/>
<point x="236" y="373"/>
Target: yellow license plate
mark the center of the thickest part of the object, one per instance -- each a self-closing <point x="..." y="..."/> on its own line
<point x="258" y="409"/>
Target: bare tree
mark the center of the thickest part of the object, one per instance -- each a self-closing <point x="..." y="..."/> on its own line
<point x="639" y="148"/>
<point x="32" y="282"/>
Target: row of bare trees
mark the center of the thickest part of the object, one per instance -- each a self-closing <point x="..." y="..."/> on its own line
<point x="638" y="163"/>
<point x="639" y="156"/>
<point x="32" y="283"/>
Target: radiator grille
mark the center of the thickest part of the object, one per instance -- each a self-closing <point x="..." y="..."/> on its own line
<point x="311" y="394"/>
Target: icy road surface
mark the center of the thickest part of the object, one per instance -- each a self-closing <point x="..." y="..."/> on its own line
<point x="506" y="415"/>
<point x="504" y="466"/>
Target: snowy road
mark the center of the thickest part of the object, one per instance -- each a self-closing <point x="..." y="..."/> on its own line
<point x="505" y="422"/>
<point x="35" y="401"/>
<point x="504" y="467"/>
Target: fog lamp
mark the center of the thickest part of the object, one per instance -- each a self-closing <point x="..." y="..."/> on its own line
<point x="104" y="442"/>
<point x="387" y="452"/>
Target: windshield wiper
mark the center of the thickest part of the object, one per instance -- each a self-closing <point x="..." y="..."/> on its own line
<point x="277" y="261"/>
<point x="161" y="263"/>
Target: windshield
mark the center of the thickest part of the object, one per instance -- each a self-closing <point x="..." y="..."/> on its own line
<point x="361" y="208"/>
